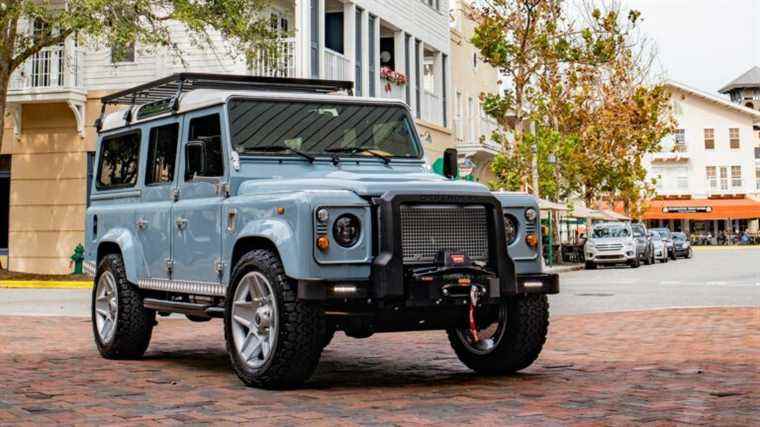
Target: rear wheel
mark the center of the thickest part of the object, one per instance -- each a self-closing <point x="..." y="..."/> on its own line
<point x="274" y="341"/>
<point x="121" y="324"/>
<point x="511" y="342"/>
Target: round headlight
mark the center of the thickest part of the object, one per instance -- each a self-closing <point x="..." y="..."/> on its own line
<point x="531" y="214"/>
<point x="346" y="230"/>
<point x="510" y="228"/>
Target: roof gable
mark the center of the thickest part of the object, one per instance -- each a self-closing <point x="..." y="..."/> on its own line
<point x="751" y="78"/>
<point x="713" y="99"/>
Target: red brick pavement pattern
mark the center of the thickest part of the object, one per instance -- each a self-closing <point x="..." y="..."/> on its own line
<point x="697" y="366"/>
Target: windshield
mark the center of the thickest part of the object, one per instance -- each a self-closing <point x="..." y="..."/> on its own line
<point x="260" y="127"/>
<point x="679" y="236"/>
<point x="665" y="234"/>
<point x="611" y="231"/>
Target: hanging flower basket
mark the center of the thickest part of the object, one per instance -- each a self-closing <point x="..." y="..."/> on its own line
<point x="391" y="78"/>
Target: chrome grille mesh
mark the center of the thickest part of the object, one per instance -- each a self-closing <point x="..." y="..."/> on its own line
<point x="428" y="229"/>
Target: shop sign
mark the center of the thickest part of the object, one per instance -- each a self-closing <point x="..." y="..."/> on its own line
<point x="687" y="209"/>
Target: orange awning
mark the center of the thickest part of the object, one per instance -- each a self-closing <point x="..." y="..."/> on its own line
<point x="703" y="209"/>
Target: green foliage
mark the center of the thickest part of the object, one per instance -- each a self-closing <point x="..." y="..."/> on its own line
<point x="582" y="87"/>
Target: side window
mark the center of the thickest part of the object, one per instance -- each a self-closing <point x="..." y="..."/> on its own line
<point x="162" y="154"/>
<point x="204" y="156"/>
<point x="119" y="160"/>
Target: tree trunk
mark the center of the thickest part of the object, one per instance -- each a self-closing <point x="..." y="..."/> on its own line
<point x="4" y="81"/>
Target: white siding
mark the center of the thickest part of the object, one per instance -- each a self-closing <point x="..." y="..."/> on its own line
<point x="414" y="17"/>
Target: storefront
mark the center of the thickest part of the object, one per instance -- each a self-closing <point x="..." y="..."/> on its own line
<point x="706" y="218"/>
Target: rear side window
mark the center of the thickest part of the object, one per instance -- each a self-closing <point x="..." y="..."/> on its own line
<point x="162" y="154"/>
<point x="206" y="159"/>
<point x="119" y="160"/>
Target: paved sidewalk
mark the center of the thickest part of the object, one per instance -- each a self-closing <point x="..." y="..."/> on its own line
<point x="697" y="366"/>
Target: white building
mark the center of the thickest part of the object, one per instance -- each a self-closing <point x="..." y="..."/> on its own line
<point x="46" y="155"/>
<point x="709" y="171"/>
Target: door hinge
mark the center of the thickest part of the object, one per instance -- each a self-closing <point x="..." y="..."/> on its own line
<point x="218" y="265"/>
<point x="174" y="194"/>
<point x="169" y="263"/>
<point x="223" y="189"/>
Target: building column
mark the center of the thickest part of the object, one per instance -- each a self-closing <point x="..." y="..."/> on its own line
<point x="420" y="67"/>
<point x="302" y="25"/>
<point x="321" y="34"/>
<point x="409" y="78"/>
<point x="365" y="52"/>
<point x="349" y="38"/>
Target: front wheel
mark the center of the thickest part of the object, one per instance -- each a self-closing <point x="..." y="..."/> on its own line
<point x="273" y="340"/>
<point x="121" y="324"/>
<point x="590" y="265"/>
<point x="510" y="342"/>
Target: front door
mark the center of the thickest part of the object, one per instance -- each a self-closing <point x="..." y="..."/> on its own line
<point x="196" y="223"/>
<point x="153" y="216"/>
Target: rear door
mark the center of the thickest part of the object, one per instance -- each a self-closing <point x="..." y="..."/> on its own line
<point x="196" y="223"/>
<point x="153" y="216"/>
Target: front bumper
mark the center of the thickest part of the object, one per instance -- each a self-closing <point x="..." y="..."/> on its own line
<point x="610" y="257"/>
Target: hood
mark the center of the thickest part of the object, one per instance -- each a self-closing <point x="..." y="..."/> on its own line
<point x="363" y="182"/>
<point x="610" y="240"/>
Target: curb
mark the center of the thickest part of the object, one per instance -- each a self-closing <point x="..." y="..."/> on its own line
<point x="565" y="268"/>
<point x="45" y="284"/>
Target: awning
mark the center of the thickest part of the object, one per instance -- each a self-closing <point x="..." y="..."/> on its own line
<point x="548" y="205"/>
<point x="616" y="216"/>
<point x="703" y="209"/>
<point x="581" y="212"/>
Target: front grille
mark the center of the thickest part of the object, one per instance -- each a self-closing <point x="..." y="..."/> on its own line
<point x="609" y="247"/>
<point x="426" y="230"/>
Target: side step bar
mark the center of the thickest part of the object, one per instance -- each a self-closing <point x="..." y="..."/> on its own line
<point x="200" y="310"/>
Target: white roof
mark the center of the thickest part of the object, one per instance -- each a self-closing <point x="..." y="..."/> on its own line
<point x="713" y="98"/>
<point x="202" y="98"/>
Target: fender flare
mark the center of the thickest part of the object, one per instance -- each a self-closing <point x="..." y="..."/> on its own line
<point x="131" y="252"/>
<point x="282" y="237"/>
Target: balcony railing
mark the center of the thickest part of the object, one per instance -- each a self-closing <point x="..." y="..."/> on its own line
<point x="281" y="64"/>
<point x="53" y="69"/>
<point x="432" y="108"/>
<point x="476" y="131"/>
<point x="336" y="66"/>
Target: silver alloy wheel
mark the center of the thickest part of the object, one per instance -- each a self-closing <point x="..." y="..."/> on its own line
<point x="254" y="319"/>
<point x="106" y="306"/>
<point x="488" y="337"/>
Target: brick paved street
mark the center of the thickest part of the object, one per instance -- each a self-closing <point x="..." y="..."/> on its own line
<point x="693" y="366"/>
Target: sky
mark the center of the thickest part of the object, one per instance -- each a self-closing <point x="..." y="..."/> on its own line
<point x="702" y="43"/>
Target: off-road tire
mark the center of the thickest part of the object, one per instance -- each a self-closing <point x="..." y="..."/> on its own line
<point x="690" y="253"/>
<point x="527" y="327"/>
<point x="300" y="333"/>
<point x="590" y="265"/>
<point x="134" y="323"/>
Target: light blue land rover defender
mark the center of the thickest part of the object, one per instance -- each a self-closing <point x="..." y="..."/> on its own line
<point x="293" y="211"/>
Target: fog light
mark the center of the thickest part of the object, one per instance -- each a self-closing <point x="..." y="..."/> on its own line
<point x="344" y="289"/>
<point x="533" y="285"/>
<point x="323" y="243"/>
<point x="531" y="240"/>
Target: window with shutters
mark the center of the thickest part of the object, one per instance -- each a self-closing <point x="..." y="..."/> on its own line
<point x="709" y="139"/>
<point x="733" y="137"/>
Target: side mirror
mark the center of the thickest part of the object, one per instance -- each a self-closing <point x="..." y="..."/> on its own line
<point x="195" y="159"/>
<point x="450" y="163"/>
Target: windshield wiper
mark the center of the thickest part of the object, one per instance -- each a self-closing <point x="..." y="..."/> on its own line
<point x="279" y="149"/>
<point x="354" y="150"/>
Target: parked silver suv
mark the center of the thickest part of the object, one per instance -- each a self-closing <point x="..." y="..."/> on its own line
<point x="611" y="243"/>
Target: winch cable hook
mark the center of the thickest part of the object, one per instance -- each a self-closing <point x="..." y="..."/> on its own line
<point x="474" y="297"/>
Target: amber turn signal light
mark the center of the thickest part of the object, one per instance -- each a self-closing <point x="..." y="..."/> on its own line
<point x="531" y="240"/>
<point x="323" y="243"/>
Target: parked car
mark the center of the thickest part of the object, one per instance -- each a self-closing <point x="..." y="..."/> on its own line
<point x="682" y="245"/>
<point x="611" y="243"/>
<point x="292" y="212"/>
<point x="660" y="250"/>
<point x="667" y="238"/>
<point x="643" y="243"/>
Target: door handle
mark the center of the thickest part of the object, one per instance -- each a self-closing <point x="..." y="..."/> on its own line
<point x="141" y="224"/>
<point x="181" y="223"/>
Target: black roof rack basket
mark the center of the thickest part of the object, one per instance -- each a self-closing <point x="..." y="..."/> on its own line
<point x="168" y="89"/>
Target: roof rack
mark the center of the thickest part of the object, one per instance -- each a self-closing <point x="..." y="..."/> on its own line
<point x="169" y="89"/>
